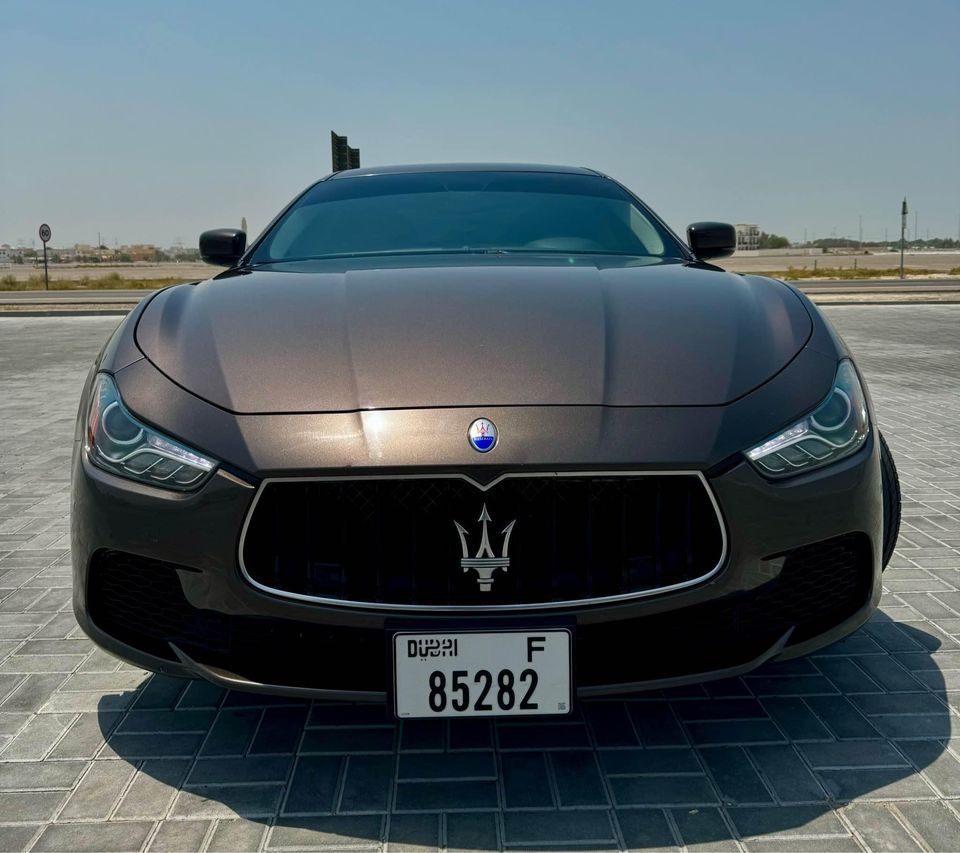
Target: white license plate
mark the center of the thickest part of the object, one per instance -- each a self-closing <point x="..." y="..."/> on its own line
<point x="481" y="673"/>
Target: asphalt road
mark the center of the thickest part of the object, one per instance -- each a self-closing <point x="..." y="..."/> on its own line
<point x="855" y="748"/>
<point x="133" y="296"/>
<point x="73" y="295"/>
<point x="916" y="285"/>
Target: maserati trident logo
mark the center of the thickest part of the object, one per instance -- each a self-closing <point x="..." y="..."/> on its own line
<point x="486" y="562"/>
<point x="482" y="435"/>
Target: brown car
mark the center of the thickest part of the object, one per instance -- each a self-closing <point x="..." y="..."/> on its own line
<point x="475" y="440"/>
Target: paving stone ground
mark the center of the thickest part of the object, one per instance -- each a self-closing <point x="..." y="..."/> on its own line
<point x="854" y="748"/>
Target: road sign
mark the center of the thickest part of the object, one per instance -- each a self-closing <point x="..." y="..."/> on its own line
<point x="45" y="234"/>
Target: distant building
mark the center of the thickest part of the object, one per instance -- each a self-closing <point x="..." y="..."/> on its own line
<point x="140" y="251"/>
<point x="748" y="237"/>
<point x="6" y="255"/>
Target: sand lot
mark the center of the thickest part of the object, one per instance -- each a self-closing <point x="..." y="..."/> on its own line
<point x="188" y="271"/>
<point x="941" y="262"/>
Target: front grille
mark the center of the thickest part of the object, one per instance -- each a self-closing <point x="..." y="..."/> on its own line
<point x="400" y="541"/>
<point x="141" y="602"/>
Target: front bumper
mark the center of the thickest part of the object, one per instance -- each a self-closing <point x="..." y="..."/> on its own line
<point x="331" y="651"/>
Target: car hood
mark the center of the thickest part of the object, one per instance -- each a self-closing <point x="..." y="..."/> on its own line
<point x="316" y="337"/>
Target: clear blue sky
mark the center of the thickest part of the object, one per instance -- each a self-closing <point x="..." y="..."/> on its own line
<point x="149" y="122"/>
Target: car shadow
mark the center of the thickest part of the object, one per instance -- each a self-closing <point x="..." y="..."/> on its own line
<point x="775" y="752"/>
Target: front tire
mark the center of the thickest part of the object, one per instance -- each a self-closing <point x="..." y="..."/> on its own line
<point x="891" y="500"/>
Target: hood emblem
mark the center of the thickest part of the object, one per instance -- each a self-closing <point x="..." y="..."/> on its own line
<point x="486" y="561"/>
<point x="482" y="435"/>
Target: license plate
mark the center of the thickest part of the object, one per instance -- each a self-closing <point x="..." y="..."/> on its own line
<point x="481" y="673"/>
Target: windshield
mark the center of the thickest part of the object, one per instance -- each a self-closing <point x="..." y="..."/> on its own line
<point x="443" y="212"/>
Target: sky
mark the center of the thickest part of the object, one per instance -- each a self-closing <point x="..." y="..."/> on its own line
<point x="152" y="122"/>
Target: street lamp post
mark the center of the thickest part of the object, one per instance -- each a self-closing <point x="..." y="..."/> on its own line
<point x="903" y="230"/>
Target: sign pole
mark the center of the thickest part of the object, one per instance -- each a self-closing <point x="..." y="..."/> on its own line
<point x="45" y="234"/>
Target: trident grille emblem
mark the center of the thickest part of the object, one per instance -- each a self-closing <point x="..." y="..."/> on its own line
<point x="485" y="562"/>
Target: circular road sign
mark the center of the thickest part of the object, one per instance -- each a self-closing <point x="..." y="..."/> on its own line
<point x="45" y="232"/>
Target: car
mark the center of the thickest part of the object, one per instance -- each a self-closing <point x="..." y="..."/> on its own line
<point x="475" y="440"/>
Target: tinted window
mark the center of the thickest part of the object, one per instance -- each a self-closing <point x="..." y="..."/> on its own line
<point x="464" y="212"/>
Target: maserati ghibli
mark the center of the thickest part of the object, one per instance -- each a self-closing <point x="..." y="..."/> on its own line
<point x="475" y="440"/>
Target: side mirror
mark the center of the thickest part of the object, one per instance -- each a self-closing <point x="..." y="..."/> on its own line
<point x="223" y="246"/>
<point x="712" y="239"/>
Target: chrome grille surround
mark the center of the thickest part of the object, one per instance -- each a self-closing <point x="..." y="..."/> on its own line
<point x="485" y="487"/>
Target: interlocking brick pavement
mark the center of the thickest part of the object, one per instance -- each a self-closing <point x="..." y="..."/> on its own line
<point x="854" y="748"/>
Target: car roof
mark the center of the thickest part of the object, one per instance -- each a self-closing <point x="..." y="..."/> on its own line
<point x="461" y="167"/>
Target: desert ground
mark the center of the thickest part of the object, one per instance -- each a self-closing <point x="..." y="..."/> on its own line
<point x="938" y="262"/>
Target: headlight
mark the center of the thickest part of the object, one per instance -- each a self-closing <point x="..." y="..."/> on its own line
<point x="117" y="442"/>
<point x="835" y="429"/>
